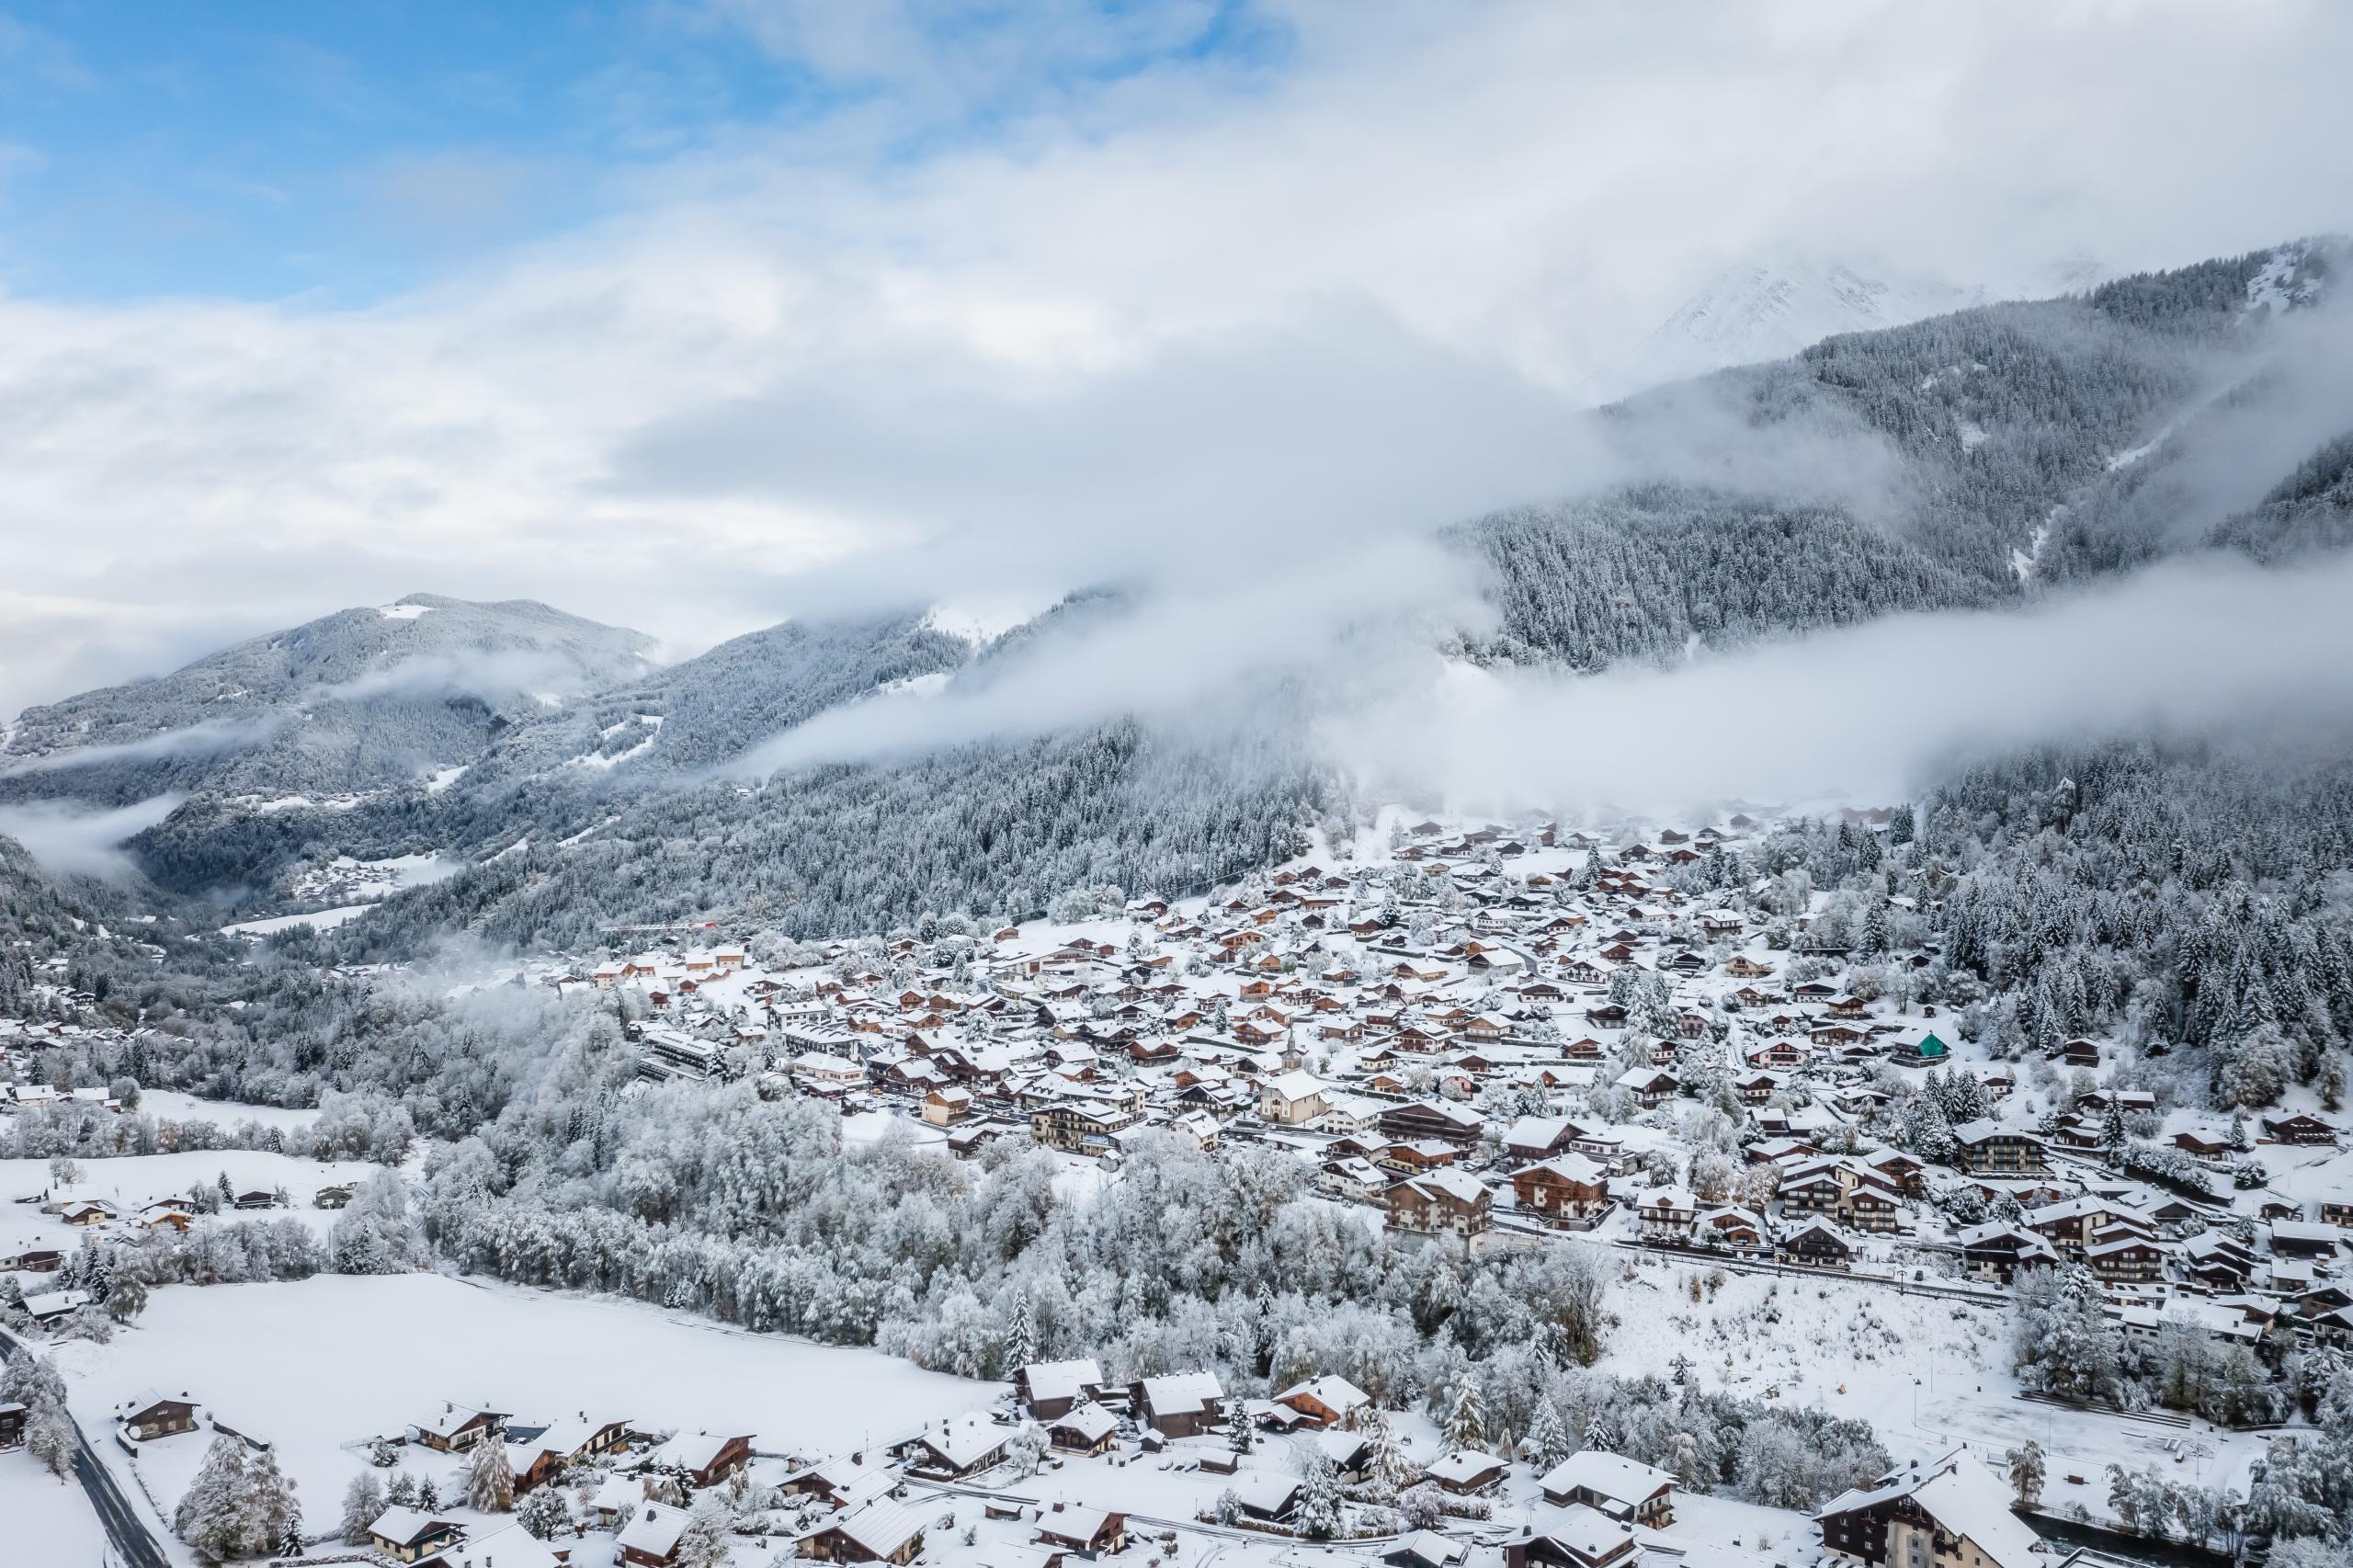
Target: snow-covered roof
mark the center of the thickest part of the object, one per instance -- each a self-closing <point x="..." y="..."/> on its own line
<point x="655" y="1532"/>
<point x="404" y="1526"/>
<point x="1090" y="1421"/>
<point x="1463" y="1466"/>
<point x="883" y="1526"/>
<point x="1606" y="1474"/>
<point x="1178" y="1392"/>
<point x="1962" y="1495"/>
<point x="1063" y="1380"/>
<point x="512" y="1547"/>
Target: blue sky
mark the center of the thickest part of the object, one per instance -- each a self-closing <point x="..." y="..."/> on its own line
<point x="344" y="152"/>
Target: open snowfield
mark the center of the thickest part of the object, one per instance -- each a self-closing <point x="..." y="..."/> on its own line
<point x="319" y="1364"/>
<point x="1929" y="1373"/>
<point x="171" y="1105"/>
<point x="45" y="1522"/>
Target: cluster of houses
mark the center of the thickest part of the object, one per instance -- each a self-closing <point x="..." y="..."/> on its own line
<point x="1491" y="1035"/>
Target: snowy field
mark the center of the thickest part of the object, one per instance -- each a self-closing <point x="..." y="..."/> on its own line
<point x="171" y="1105"/>
<point x="1929" y="1373"/>
<point x="323" y="919"/>
<point x="317" y="1365"/>
<point x="45" y="1522"/>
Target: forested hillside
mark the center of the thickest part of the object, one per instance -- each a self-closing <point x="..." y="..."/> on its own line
<point x="1996" y="454"/>
<point x="360" y="700"/>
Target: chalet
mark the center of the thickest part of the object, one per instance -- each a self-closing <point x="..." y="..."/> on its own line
<point x="1326" y="1401"/>
<point x="12" y="1423"/>
<point x="954" y="1448"/>
<point x="1650" y="1087"/>
<point x="703" y="1459"/>
<point x="943" y="1106"/>
<point x="1949" y="1513"/>
<point x="1466" y="1472"/>
<point x="153" y="1415"/>
<point x="1988" y="1147"/>
<point x="1613" y="1485"/>
<point x="1086" y="1429"/>
<point x="406" y="1535"/>
<point x="1817" y="1243"/>
<point x="2299" y="1127"/>
<point x="1079" y="1127"/>
<point x="2127" y="1260"/>
<point x="881" y="1530"/>
<point x="1667" y="1214"/>
<point x="1999" y="1251"/>
<point x="1432" y="1119"/>
<point x="1566" y="1189"/>
<point x="1068" y="1527"/>
<point x="456" y="1428"/>
<point x="1443" y="1203"/>
<point x="1575" y="1537"/>
<point x="1178" y="1404"/>
<point x="1049" y="1389"/>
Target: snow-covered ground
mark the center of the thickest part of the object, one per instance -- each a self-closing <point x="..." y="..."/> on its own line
<point x="45" y="1522"/>
<point x="135" y="1180"/>
<point x="323" y="919"/>
<point x="317" y="1365"/>
<point x="170" y="1105"/>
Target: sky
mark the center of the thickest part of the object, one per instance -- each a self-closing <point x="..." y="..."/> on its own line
<point x="696" y="315"/>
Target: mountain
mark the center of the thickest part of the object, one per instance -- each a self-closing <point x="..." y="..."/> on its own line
<point x="1973" y="459"/>
<point x="1782" y="304"/>
<point x="360" y="700"/>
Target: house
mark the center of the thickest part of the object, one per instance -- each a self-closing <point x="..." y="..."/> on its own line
<point x="1087" y="1429"/>
<point x="1986" y="1147"/>
<point x="1072" y="1527"/>
<point x="12" y="1423"/>
<point x="1291" y="1099"/>
<point x="1817" y="1243"/>
<point x="651" y="1540"/>
<point x="702" y="1459"/>
<point x="943" y="1106"/>
<point x="2299" y="1127"/>
<point x="1441" y="1120"/>
<point x="511" y="1547"/>
<point x="1426" y="1548"/>
<point x="1667" y="1214"/>
<point x="954" y="1448"/>
<point x="406" y="1536"/>
<point x="1650" y="1087"/>
<point x="1575" y="1537"/>
<point x="1617" y="1486"/>
<point x="1179" y="1405"/>
<point x="1566" y="1189"/>
<point x="1466" y="1472"/>
<point x="1268" y="1497"/>
<point x="1442" y="1202"/>
<point x="1049" y="1389"/>
<point x="1326" y="1401"/>
<point x="1080" y="1126"/>
<point x="455" y="1428"/>
<point x="152" y="1415"/>
<point x="1949" y="1513"/>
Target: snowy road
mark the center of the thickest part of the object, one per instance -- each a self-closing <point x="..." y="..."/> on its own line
<point x="133" y="1546"/>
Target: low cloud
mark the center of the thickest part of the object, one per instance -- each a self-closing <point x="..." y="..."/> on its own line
<point x="1875" y="713"/>
<point x="72" y="840"/>
<point x="214" y="738"/>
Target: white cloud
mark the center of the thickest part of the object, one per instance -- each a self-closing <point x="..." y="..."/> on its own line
<point x="1868" y="715"/>
<point x="72" y="840"/>
<point x="1181" y="303"/>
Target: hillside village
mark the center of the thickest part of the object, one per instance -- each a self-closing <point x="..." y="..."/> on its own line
<point x="1476" y="1038"/>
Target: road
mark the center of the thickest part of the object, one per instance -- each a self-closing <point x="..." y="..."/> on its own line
<point x="134" y="1544"/>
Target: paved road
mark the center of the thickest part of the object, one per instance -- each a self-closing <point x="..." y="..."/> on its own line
<point x="134" y="1544"/>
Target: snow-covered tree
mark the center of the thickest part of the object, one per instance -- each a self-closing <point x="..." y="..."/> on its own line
<point x="490" y="1479"/>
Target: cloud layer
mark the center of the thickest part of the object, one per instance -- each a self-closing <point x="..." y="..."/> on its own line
<point x="1159" y="320"/>
<point x="2205" y="647"/>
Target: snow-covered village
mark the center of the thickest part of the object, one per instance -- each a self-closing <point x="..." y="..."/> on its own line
<point x="1456" y="1194"/>
<point x="1177" y="784"/>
